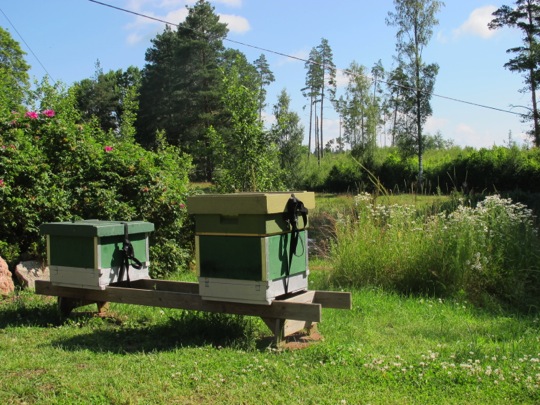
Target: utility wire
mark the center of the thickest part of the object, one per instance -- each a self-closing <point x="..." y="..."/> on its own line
<point x="346" y="71"/>
<point x="28" y="46"/>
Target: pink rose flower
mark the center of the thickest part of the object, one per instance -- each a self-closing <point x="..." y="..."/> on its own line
<point x="31" y="114"/>
<point x="49" y="113"/>
<point x="108" y="149"/>
<point x="1" y="182"/>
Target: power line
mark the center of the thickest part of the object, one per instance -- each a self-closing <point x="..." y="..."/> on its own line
<point x="346" y="71"/>
<point x="28" y="46"/>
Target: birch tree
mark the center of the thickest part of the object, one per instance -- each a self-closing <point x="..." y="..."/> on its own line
<point x="414" y="20"/>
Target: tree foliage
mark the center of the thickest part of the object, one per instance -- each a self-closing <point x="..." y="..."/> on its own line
<point x="265" y="77"/>
<point x="525" y="17"/>
<point x="320" y="84"/>
<point x="249" y="160"/>
<point x="415" y="20"/>
<point x="288" y="133"/>
<point x="14" y="79"/>
<point x="180" y="91"/>
<point x="111" y="98"/>
<point x="358" y="109"/>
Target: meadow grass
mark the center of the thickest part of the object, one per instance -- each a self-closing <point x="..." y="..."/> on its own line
<point x="388" y="349"/>
<point x="393" y="347"/>
<point x="488" y="252"/>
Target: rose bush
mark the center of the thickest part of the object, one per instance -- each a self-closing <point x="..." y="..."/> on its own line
<point x="55" y="167"/>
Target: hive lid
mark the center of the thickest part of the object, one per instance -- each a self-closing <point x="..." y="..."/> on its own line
<point x="246" y="203"/>
<point x="94" y="227"/>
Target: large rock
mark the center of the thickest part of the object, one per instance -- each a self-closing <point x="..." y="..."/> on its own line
<point x="28" y="272"/>
<point x="6" y="280"/>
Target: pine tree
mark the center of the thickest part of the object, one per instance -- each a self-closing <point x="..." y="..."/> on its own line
<point x="265" y="78"/>
<point x="182" y="88"/>
<point x="526" y="17"/>
<point x="328" y="82"/>
<point x="320" y="80"/>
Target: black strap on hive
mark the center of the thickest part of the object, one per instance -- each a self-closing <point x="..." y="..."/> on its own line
<point x="128" y="257"/>
<point x="293" y="208"/>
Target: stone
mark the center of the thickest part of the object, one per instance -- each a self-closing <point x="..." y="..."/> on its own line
<point x="6" y="279"/>
<point x="28" y="272"/>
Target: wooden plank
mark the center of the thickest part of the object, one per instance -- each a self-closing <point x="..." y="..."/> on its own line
<point x="333" y="299"/>
<point x="306" y="297"/>
<point x="276" y="327"/>
<point x="165" y="285"/>
<point x="170" y="299"/>
<point x="292" y="326"/>
<point x="281" y="328"/>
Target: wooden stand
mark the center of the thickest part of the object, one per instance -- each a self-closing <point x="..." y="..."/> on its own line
<point x="284" y="317"/>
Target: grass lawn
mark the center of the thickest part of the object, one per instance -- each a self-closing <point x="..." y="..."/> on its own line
<point x="387" y="349"/>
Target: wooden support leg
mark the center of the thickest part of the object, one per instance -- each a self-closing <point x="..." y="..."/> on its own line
<point x="103" y="307"/>
<point x="66" y="305"/>
<point x="277" y="327"/>
<point x="281" y="328"/>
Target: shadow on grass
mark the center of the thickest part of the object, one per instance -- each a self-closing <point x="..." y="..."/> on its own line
<point x="18" y="312"/>
<point x="191" y="329"/>
<point x="118" y="333"/>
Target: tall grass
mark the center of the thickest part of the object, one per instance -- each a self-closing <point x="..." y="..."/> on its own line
<point x="489" y="253"/>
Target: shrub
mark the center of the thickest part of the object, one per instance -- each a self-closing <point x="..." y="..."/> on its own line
<point x="344" y="178"/>
<point x="54" y="167"/>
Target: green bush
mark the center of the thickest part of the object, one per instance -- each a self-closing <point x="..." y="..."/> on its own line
<point x="499" y="169"/>
<point x="54" y="167"/>
<point x="344" y="178"/>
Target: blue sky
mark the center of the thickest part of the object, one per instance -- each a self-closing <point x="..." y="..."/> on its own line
<point x="69" y="36"/>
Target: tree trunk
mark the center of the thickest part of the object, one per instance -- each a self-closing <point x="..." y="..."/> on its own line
<point x="321" y="129"/>
<point x="394" y="124"/>
<point x="321" y="143"/>
<point x="418" y="111"/>
<point x="532" y="77"/>
<point x="310" y="121"/>
<point x="317" y="145"/>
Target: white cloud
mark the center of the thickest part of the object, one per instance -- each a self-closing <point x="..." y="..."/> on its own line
<point x="466" y="135"/>
<point x="171" y="3"/>
<point x="235" y="23"/>
<point x="331" y="129"/>
<point x="176" y="16"/>
<point x="297" y="56"/>
<point x="442" y="37"/>
<point x="174" y="12"/>
<point x="477" y="23"/>
<point x="268" y="119"/>
<point x="230" y="3"/>
<point x="142" y="29"/>
<point x="434" y="124"/>
<point x="134" y="38"/>
<point x="342" y="80"/>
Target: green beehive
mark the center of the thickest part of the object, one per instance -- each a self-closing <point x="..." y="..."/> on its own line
<point x="243" y="246"/>
<point x="88" y="253"/>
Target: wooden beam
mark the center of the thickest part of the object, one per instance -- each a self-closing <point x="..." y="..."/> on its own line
<point x="333" y="299"/>
<point x="166" y="285"/>
<point x="181" y="300"/>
